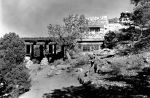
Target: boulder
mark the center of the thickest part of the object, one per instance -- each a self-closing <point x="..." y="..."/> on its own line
<point x="27" y="58"/>
<point x="62" y="66"/>
<point x="44" y="62"/>
<point x="58" y="72"/>
<point x="148" y="59"/>
<point x="106" y="68"/>
<point x="29" y="63"/>
<point x="146" y="55"/>
<point x="79" y="70"/>
<point x="146" y="66"/>
<point x="52" y="67"/>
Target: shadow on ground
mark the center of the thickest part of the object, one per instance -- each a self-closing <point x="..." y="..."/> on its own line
<point x="138" y="87"/>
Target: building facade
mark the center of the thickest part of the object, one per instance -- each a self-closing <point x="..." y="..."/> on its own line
<point x="97" y="29"/>
<point x="93" y="39"/>
<point x="39" y="47"/>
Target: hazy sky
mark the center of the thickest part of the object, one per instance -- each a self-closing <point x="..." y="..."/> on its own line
<point x="31" y="17"/>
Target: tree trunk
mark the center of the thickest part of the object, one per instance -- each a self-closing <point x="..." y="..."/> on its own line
<point x="141" y="33"/>
<point x="65" y="53"/>
<point x="68" y="55"/>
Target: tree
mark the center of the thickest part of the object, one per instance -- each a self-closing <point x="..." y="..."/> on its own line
<point x="136" y="2"/>
<point x="12" y="48"/>
<point x="13" y="72"/>
<point x="66" y="36"/>
<point x="141" y="14"/>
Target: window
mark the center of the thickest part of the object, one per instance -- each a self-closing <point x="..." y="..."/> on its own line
<point x="79" y="46"/>
<point x="92" y="48"/>
<point x="36" y="51"/>
<point x="96" y="29"/>
<point x="96" y="47"/>
<point x="86" y="48"/>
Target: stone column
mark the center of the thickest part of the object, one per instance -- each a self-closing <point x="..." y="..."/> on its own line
<point x="26" y="48"/>
<point x="32" y="51"/>
<point x="30" y="48"/>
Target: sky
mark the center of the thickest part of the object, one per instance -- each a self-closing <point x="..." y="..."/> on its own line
<point x="30" y="18"/>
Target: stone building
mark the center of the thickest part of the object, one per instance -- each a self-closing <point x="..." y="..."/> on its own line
<point x="93" y="39"/>
<point x="39" y="47"/>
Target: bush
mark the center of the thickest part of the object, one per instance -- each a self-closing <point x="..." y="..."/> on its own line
<point x="80" y="61"/>
<point x="35" y="61"/>
<point x="138" y="45"/>
<point x="12" y="69"/>
<point x="58" y="62"/>
<point x="13" y="48"/>
<point x="128" y="63"/>
<point x="16" y="77"/>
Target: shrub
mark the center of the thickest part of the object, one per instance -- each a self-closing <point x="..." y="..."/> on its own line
<point x="35" y="61"/>
<point x="16" y="77"/>
<point x="80" y="61"/>
<point x="13" y="48"/>
<point x="58" y="62"/>
<point x="12" y="69"/>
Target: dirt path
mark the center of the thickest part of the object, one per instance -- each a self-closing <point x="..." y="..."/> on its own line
<point x="42" y="84"/>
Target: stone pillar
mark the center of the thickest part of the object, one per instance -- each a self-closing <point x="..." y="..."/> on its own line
<point x="26" y="48"/>
<point x="30" y="48"/>
<point x="45" y="46"/>
<point x="52" y="49"/>
<point x="32" y="51"/>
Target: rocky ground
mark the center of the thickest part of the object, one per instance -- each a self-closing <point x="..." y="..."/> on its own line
<point x="114" y="71"/>
<point x="46" y="78"/>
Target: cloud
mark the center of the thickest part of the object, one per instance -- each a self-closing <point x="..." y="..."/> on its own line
<point x="30" y="17"/>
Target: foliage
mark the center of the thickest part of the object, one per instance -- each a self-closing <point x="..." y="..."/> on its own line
<point x="130" y="39"/>
<point x="136" y="36"/>
<point x="111" y="39"/>
<point x="140" y="46"/>
<point x="137" y="44"/>
<point x="35" y="61"/>
<point x="141" y="14"/>
<point x="58" y="62"/>
<point x="16" y="78"/>
<point x="12" y="48"/>
<point x="80" y="61"/>
<point x="12" y="69"/>
<point x="66" y="36"/>
<point x="136" y="2"/>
